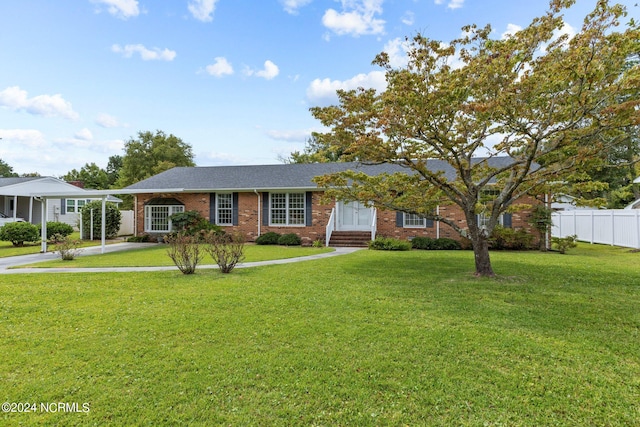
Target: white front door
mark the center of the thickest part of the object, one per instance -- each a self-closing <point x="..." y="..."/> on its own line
<point x="354" y="216"/>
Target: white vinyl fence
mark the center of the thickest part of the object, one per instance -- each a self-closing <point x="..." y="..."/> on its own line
<point x="619" y="227"/>
<point x="126" y="226"/>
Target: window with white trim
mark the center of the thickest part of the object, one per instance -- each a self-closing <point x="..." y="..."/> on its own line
<point x="157" y="217"/>
<point x="224" y="208"/>
<point x="413" y="220"/>
<point x="74" y="205"/>
<point x="287" y="209"/>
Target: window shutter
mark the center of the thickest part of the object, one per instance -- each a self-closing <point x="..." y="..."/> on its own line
<point x="234" y="209"/>
<point x="429" y="223"/>
<point x="308" y="217"/>
<point x="63" y="206"/>
<point x="399" y="219"/>
<point x="212" y="208"/>
<point x="265" y="208"/>
<point x="506" y="220"/>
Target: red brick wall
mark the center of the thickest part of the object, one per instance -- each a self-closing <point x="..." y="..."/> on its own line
<point x="248" y="208"/>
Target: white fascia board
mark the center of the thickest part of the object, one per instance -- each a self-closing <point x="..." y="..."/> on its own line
<point x="104" y="193"/>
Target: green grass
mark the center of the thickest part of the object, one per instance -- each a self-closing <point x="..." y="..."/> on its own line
<point x="371" y="338"/>
<point x="156" y="255"/>
<point x="7" y="249"/>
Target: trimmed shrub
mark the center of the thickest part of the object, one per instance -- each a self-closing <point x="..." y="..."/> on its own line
<point x="510" y="239"/>
<point x="389" y="244"/>
<point x="193" y="223"/>
<point x="290" y="239"/>
<point x="446" y="244"/>
<point x="442" y="244"/>
<point x="112" y="215"/>
<point x="423" y="243"/>
<point x="143" y="238"/>
<point x="270" y="238"/>
<point x="67" y="248"/>
<point x="55" y="230"/>
<point x="19" y="232"/>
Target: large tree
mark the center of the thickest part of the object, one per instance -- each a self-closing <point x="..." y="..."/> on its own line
<point x="6" y="170"/>
<point x="152" y="153"/>
<point x="551" y="103"/>
<point x="91" y="175"/>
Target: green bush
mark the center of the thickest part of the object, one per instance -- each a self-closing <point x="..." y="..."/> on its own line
<point x="112" y="216"/>
<point x="290" y="239"/>
<point x="389" y="244"/>
<point x="442" y="244"/>
<point x="192" y="223"/>
<point x="270" y="238"/>
<point x="564" y="243"/>
<point x="510" y="239"/>
<point x="143" y="238"/>
<point x="55" y="230"/>
<point x="19" y="232"/>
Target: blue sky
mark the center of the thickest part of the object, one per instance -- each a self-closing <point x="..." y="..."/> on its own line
<point x="233" y="78"/>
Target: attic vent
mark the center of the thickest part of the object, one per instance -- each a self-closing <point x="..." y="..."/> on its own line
<point x="163" y="201"/>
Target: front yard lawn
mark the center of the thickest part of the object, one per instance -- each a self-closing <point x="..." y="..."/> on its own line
<point x="367" y="339"/>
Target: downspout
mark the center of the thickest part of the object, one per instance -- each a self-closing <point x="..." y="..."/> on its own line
<point x="135" y="215"/>
<point x="259" y="211"/>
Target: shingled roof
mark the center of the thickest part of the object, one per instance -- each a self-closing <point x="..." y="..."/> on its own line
<point x="273" y="177"/>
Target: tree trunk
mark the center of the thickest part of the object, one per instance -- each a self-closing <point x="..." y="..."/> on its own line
<point x="481" y="255"/>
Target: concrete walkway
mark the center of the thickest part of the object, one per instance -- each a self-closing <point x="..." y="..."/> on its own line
<point x="8" y="262"/>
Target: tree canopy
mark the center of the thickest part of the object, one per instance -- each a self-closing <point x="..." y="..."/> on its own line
<point x="152" y="153"/>
<point x="551" y="103"/>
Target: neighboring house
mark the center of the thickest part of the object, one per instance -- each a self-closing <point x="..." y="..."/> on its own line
<point x="17" y="199"/>
<point x="283" y="198"/>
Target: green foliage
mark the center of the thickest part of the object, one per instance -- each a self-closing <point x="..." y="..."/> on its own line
<point x="91" y="176"/>
<point x="143" y="238"/>
<point x="56" y="230"/>
<point x="317" y="243"/>
<point x="290" y="239"/>
<point x="540" y="220"/>
<point x="19" y="232"/>
<point x="270" y="238"/>
<point x="193" y="223"/>
<point x="510" y="239"/>
<point x="443" y="244"/>
<point x="389" y="244"/>
<point x="112" y="215"/>
<point x="6" y="170"/>
<point x="152" y="153"/>
<point x="563" y="244"/>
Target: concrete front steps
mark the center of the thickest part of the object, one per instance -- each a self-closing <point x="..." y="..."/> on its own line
<point x="356" y="239"/>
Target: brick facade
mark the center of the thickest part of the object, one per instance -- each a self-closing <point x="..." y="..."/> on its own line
<point x="250" y="221"/>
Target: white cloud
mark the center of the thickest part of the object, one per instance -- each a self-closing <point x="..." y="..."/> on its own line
<point x="17" y="99"/>
<point x="146" y="54"/>
<point x="29" y="138"/>
<point x="106" y="121"/>
<point x="453" y="4"/>
<point x="323" y="91"/>
<point x="511" y="30"/>
<point x="220" y="67"/>
<point x="84" y="135"/>
<point x="408" y="18"/>
<point x="357" y="18"/>
<point x="269" y="71"/>
<point x="292" y="6"/>
<point x="397" y="50"/>
<point x="202" y="10"/>
<point x="289" y="135"/>
<point x="122" y="9"/>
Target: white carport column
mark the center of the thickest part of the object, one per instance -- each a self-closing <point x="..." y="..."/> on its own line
<point x="103" y="219"/>
<point x="15" y="208"/>
<point x="43" y="222"/>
